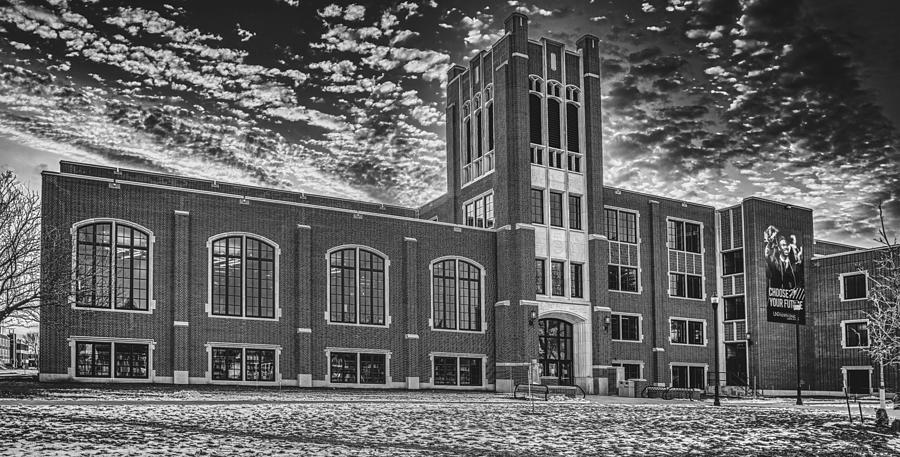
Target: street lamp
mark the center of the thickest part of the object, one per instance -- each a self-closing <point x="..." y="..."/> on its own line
<point x="715" y="307"/>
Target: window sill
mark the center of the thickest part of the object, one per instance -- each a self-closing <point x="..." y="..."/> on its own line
<point x="245" y="318"/>
<point x="151" y="308"/>
<point x="222" y="382"/>
<point x="465" y="332"/>
<point x="688" y="344"/>
<point x="479" y="178"/>
<point x="854" y="347"/>
<point x="687" y="298"/>
<point x="627" y="341"/>
<point x="625" y="291"/>
<point x="351" y="324"/>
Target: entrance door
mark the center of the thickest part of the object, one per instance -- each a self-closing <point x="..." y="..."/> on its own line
<point x="858" y="382"/>
<point x="736" y="364"/>
<point x="555" y="339"/>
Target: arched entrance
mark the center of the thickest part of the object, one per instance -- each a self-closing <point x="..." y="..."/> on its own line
<point x="555" y="338"/>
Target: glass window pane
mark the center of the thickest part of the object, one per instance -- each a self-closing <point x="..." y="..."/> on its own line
<point x="132" y="360"/>
<point x="343" y="367"/>
<point x="372" y="368"/>
<point x="445" y="371"/>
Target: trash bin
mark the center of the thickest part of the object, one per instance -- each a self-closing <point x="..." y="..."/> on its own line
<point x="626" y="388"/>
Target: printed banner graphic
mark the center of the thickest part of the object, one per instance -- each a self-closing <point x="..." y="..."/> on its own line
<point x="784" y="277"/>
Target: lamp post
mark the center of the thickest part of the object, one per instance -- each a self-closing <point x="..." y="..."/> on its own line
<point x="715" y="307"/>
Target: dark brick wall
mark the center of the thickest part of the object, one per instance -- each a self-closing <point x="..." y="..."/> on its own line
<point x="180" y="278"/>
<point x="828" y="312"/>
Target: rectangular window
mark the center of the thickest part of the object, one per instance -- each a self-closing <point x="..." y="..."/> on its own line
<point x="612" y="224"/>
<point x="685" y="285"/>
<point x="574" y="212"/>
<point x="625" y="327"/>
<point x="458" y="371"/>
<point x="537" y="206"/>
<point x="227" y="364"/>
<point x="733" y="262"/>
<point x="558" y="277"/>
<point x="480" y="212"/>
<point x="556" y="210"/>
<point x="683" y="236"/>
<point x="372" y="368"/>
<point x="260" y="364"/>
<point x="577" y="287"/>
<point x="854" y="286"/>
<point x="735" y="308"/>
<point x="623" y="279"/>
<point x="632" y="370"/>
<point x="132" y="360"/>
<point x="856" y="335"/>
<point x="445" y="371"/>
<point x="685" y="331"/>
<point x="343" y="367"/>
<point x="688" y="377"/>
<point x="540" y="277"/>
<point x="93" y="359"/>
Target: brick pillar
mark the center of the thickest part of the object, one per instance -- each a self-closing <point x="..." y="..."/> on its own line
<point x="598" y="252"/>
<point x="410" y="282"/>
<point x="516" y="338"/>
<point x="181" y="272"/>
<point x="302" y="283"/>
<point x="659" y="284"/>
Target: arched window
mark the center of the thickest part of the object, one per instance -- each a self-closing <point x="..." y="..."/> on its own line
<point x="572" y="140"/>
<point x="243" y="276"/>
<point x="357" y="286"/>
<point x="535" y="84"/>
<point x="490" y="126"/>
<point x="112" y="266"/>
<point x="553" y="123"/>
<point x="456" y="295"/>
<point x="536" y="123"/>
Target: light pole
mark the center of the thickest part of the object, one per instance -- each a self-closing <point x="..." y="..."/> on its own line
<point x="715" y="307"/>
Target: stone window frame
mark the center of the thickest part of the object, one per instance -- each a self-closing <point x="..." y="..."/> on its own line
<point x="387" y="284"/>
<point x="209" y="276"/>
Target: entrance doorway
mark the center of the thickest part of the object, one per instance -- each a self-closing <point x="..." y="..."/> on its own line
<point x="555" y="338"/>
<point x="858" y="382"/>
<point x="736" y="364"/>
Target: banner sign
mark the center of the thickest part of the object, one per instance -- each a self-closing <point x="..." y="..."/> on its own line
<point x="784" y="278"/>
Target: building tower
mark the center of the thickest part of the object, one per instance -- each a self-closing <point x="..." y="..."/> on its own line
<point x="524" y="155"/>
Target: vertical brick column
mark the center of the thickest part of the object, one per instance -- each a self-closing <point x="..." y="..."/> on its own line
<point x="659" y="284"/>
<point x="516" y="338"/>
<point x="410" y="298"/>
<point x="598" y="254"/>
<point x="181" y="271"/>
<point x="303" y="348"/>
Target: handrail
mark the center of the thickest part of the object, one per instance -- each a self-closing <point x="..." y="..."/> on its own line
<point x="534" y="387"/>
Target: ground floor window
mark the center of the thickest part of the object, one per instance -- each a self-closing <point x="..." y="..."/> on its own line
<point x="632" y="370"/>
<point x="688" y="376"/>
<point x="358" y="368"/>
<point x="458" y="371"/>
<point x="112" y="359"/>
<point x="243" y="364"/>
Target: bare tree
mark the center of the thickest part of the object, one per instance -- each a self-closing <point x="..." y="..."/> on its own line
<point x="22" y="289"/>
<point x="884" y="319"/>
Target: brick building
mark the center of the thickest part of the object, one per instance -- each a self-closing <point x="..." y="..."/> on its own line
<point x="527" y="258"/>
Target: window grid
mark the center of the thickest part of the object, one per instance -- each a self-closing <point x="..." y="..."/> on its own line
<point x="557" y="275"/>
<point x="854" y="286"/>
<point x="574" y="212"/>
<point x="856" y="334"/>
<point x="357" y="287"/>
<point x="480" y="211"/>
<point x="537" y="206"/>
<point x="685" y="331"/>
<point x="112" y="267"/>
<point x="456" y="295"/>
<point x="556" y="209"/>
<point x="540" y="276"/>
<point x="625" y="327"/>
<point x="624" y="252"/>
<point x="243" y="277"/>
<point x="577" y="285"/>
<point x="457" y="371"/>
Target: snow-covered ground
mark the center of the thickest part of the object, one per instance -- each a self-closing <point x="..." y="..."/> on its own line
<point x="170" y="421"/>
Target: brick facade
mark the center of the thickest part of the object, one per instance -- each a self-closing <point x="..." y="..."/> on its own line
<point x="494" y="93"/>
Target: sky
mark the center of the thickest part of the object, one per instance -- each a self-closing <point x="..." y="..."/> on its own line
<point x="708" y="101"/>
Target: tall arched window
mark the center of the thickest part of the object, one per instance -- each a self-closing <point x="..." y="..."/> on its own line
<point x="244" y="276"/>
<point x="112" y="266"/>
<point x="357" y="285"/>
<point x="554" y="135"/>
<point x="572" y="141"/>
<point x="535" y="110"/>
<point x="456" y="295"/>
<point x="536" y="123"/>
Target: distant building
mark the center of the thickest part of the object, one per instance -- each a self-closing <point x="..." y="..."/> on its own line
<point x="527" y="257"/>
<point x="4" y="349"/>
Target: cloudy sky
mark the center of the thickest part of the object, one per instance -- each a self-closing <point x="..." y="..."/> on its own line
<point x="704" y="100"/>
